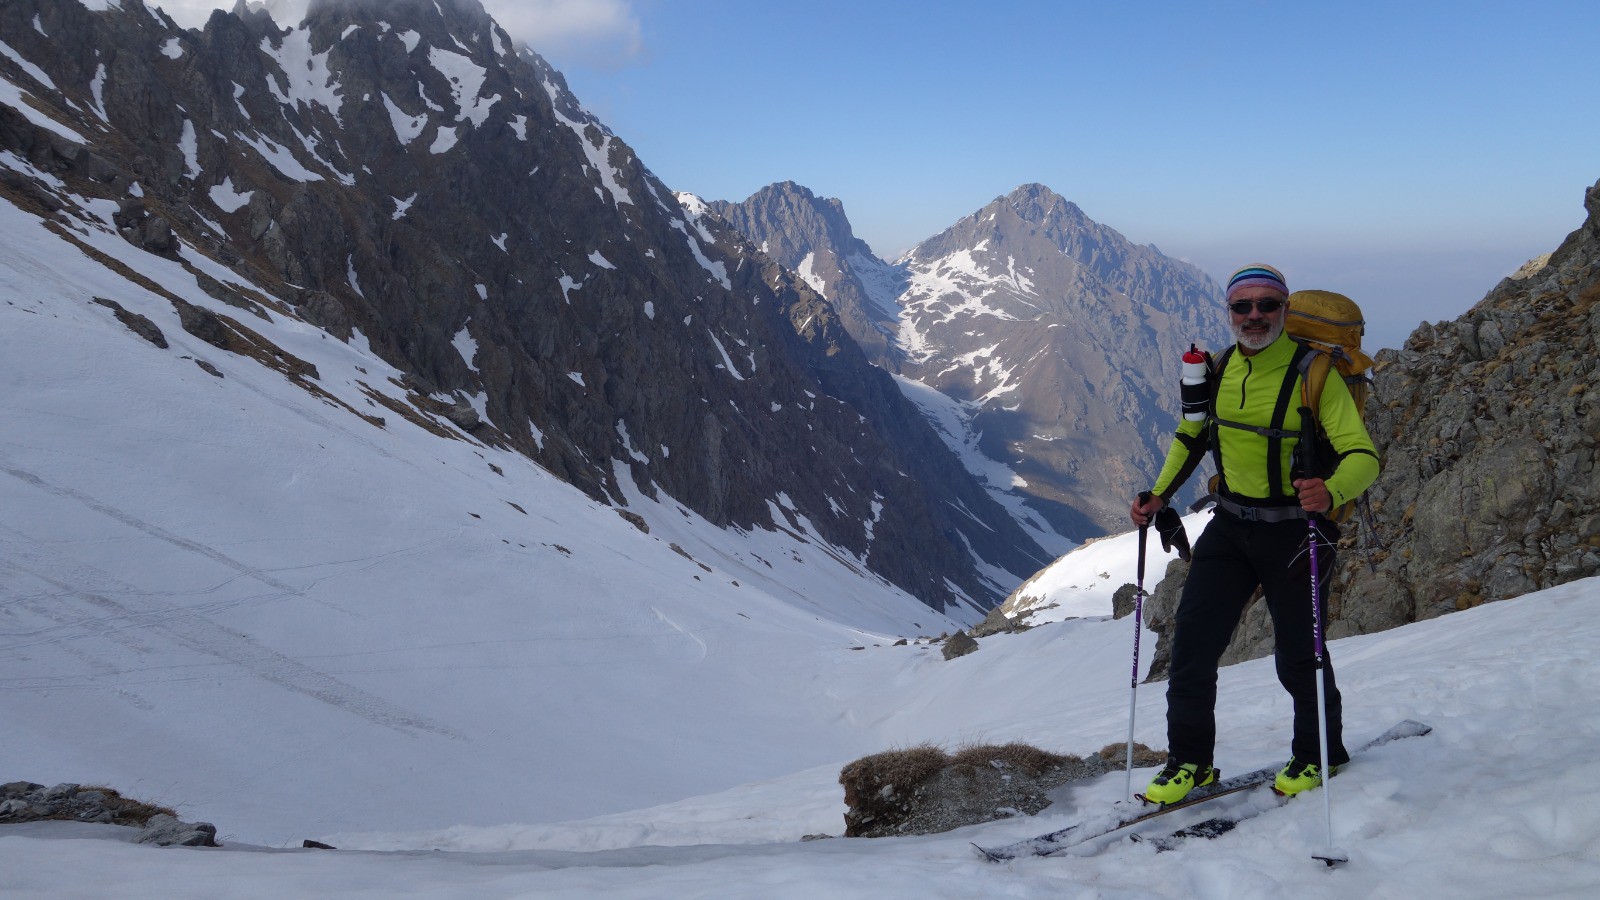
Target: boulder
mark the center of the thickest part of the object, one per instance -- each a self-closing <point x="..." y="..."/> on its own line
<point x="959" y="644"/>
<point x="168" y="831"/>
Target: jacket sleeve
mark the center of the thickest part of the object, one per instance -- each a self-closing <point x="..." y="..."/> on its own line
<point x="1189" y="447"/>
<point x="1358" y="466"/>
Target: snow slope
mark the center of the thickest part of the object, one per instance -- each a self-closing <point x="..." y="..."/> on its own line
<point x="1082" y="582"/>
<point x="230" y="594"/>
<point x="1486" y="806"/>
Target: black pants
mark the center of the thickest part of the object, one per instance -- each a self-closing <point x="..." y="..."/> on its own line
<point x="1231" y="557"/>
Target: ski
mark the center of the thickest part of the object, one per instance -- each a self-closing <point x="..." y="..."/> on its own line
<point x="1123" y="816"/>
<point x="1208" y="829"/>
<point x="1221" y="825"/>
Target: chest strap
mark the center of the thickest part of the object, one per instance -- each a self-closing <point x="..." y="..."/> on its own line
<point x="1275" y="433"/>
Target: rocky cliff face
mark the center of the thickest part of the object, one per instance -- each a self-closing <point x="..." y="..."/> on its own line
<point x="398" y="172"/>
<point x="1051" y="342"/>
<point x="1487" y="428"/>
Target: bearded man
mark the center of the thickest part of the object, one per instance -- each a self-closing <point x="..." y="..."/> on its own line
<point x="1258" y="536"/>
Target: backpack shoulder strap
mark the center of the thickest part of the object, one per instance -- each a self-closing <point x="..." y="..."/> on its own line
<point x="1280" y="413"/>
<point x="1220" y="363"/>
<point x="1313" y="367"/>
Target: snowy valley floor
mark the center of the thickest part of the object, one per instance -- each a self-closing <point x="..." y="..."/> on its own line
<point x="1486" y="806"/>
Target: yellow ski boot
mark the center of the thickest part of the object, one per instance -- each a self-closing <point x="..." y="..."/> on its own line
<point x="1298" y="776"/>
<point x="1176" y="781"/>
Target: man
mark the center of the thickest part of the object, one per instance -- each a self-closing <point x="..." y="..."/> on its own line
<point x="1258" y="535"/>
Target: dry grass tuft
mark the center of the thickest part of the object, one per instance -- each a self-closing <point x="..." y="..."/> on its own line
<point x="901" y="769"/>
<point x="126" y="810"/>
<point x="1142" y="755"/>
<point x="880" y="787"/>
<point x="1026" y="757"/>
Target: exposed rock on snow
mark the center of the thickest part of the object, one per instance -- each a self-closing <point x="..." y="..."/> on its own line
<point x="138" y="324"/>
<point x="959" y="644"/>
<point x="997" y="622"/>
<point x="25" y="801"/>
<point x="167" y="831"/>
<point x="921" y="790"/>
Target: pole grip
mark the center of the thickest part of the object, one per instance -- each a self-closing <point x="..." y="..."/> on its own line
<point x="1144" y="530"/>
<point x="1307" y="450"/>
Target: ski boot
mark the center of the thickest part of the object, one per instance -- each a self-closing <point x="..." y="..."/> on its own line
<point x="1299" y="776"/>
<point x="1175" y="782"/>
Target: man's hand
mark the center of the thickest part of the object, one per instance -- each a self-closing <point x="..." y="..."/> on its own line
<point x="1314" y="496"/>
<point x="1142" y="513"/>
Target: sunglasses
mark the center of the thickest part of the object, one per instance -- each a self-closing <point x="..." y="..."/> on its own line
<point x="1242" y="307"/>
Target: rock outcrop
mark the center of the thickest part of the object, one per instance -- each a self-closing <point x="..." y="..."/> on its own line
<point x="24" y="801"/>
<point x="1487" y="428"/>
<point x="923" y="790"/>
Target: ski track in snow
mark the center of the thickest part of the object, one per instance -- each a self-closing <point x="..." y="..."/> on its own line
<point x="185" y="626"/>
<point x="683" y="631"/>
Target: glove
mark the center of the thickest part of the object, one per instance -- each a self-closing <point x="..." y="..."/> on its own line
<point x="1170" y="526"/>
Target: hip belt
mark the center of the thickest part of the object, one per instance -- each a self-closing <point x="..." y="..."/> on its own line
<point x="1261" y="513"/>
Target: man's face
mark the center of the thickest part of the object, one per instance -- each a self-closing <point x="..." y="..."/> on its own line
<point x="1254" y="329"/>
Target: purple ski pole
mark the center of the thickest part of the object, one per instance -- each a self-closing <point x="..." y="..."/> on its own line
<point x="1138" y="626"/>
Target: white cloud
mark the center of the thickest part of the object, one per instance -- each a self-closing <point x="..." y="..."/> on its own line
<point x="598" y="33"/>
<point x="595" y="33"/>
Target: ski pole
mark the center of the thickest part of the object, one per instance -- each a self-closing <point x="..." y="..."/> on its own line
<point x="1138" y="619"/>
<point x="1330" y="856"/>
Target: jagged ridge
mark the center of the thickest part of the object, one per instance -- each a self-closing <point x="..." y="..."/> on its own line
<point x="401" y="173"/>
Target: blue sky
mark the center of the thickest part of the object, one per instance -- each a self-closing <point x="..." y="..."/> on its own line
<point x="1408" y="154"/>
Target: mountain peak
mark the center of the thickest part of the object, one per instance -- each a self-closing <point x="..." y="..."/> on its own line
<point x="787" y="187"/>
<point x="812" y="236"/>
<point x="1034" y="211"/>
<point x="824" y="215"/>
<point x="1034" y="190"/>
<point x="1038" y="204"/>
<point x="810" y="222"/>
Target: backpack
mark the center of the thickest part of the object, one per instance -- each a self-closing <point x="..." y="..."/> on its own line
<point x="1329" y="327"/>
<point x="1331" y="323"/>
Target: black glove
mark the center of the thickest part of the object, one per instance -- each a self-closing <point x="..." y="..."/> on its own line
<point x="1170" y="526"/>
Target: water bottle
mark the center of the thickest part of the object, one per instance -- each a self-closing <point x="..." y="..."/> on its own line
<point x="1196" y="395"/>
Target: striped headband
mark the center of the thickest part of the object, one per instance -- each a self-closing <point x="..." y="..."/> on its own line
<point x="1257" y="276"/>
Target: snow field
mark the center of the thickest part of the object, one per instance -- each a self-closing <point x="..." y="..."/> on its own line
<point x="1486" y="806"/>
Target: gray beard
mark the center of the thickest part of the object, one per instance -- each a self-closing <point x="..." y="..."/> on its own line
<point x="1264" y="342"/>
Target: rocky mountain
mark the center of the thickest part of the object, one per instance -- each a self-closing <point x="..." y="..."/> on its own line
<point x="812" y="236"/>
<point x="1050" y="342"/>
<point x="400" y="173"/>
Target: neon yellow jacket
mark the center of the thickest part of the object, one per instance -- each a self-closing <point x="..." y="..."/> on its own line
<point x="1249" y="395"/>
